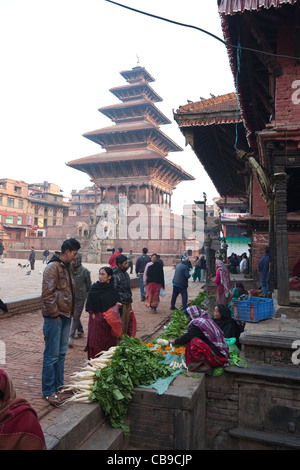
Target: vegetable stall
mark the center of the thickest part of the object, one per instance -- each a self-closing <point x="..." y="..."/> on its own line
<point x="110" y="378"/>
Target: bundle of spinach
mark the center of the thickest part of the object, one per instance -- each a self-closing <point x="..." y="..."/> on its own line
<point x="199" y="299"/>
<point x="177" y="326"/>
<point x="132" y="364"/>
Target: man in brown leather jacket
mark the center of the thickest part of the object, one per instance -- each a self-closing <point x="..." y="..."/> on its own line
<point x="58" y="303"/>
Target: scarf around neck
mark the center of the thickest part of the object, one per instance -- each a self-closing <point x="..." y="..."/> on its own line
<point x="102" y="296"/>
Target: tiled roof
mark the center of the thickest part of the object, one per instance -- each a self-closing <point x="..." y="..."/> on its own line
<point x="217" y="110"/>
<point x="131" y="156"/>
<point x="230" y="7"/>
<point x="218" y="103"/>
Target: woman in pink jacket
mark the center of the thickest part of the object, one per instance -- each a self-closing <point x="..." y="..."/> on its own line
<point x="224" y="286"/>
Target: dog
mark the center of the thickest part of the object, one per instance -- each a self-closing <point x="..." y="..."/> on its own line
<point x="23" y="265"/>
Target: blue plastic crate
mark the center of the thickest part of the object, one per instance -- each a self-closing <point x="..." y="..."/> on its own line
<point x="253" y="309"/>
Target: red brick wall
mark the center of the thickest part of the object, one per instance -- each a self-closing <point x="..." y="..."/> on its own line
<point x="261" y="239"/>
<point x="294" y="249"/>
<point x="259" y="207"/>
<point x="287" y="96"/>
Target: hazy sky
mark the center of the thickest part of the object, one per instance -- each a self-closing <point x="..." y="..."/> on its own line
<point x="59" y="59"/>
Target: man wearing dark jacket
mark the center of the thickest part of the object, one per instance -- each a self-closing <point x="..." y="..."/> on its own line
<point x="122" y="284"/>
<point x="58" y="303"/>
<point x="140" y="268"/>
<point x="32" y="258"/>
<point x="263" y="268"/>
<point x="82" y="277"/>
<point x="1" y="252"/>
<point x="180" y="282"/>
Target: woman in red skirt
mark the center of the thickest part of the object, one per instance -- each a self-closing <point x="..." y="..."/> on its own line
<point x="206" y="347"/>
<point x="102" y="298"/>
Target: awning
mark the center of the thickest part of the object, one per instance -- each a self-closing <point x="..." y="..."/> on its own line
<point x="15" y="226"/>
<point x="241" y="240"/>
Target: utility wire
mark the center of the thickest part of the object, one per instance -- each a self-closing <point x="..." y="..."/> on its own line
<point x="203" y="31"/>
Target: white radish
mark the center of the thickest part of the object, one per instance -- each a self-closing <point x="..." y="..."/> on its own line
<point x="162" y="342"/>
<point x="84" y="379"/>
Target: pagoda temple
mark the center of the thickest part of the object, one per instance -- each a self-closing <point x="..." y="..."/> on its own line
<point x="134" y="166"/>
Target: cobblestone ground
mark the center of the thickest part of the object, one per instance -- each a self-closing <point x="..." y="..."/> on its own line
<point x="23" y="338"/>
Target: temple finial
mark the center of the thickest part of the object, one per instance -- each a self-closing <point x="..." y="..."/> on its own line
<point x="138" y="61"/>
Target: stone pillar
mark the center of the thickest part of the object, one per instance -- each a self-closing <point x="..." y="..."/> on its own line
<point x="207" y="245"/>
<point x="281" y="242"/>
<point x="272" y="247"/>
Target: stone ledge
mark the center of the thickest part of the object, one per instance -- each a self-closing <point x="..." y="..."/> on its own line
<point x="183" y="405"/>
<point x="266" y="438"/>
<point x="73" y="426"/>
<point x="26" y="304"/>
<point x="267" y="372"/>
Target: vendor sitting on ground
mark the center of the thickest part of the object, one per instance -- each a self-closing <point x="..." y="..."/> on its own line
<point x="229" y="326"/>
<point x="239" y="293"/>
<point x="243" y="292"/>
<point x="205" y="343"/>
<point x="295" y="282"/>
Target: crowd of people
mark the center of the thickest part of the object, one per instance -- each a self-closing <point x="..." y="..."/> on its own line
<point x="67" y="291"/>
<point x="238" y="264"/>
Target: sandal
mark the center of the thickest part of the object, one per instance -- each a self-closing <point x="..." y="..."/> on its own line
<point x="64" y="395"/>
<point x="53" y="400"/>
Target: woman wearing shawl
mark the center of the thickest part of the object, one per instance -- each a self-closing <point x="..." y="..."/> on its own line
<point x="103" y="301"/>
<point x="240" y="286"/>
<point x="19" y="426"/>
<point x="154" y="281"/>
<point x="223" y="282"/>
<point x="205" y="343"/>
<point x="229" y="326"/>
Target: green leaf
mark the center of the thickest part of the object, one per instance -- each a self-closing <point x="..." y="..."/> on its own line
<point x="117" y="394"/>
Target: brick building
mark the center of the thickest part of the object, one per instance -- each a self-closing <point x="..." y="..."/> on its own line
<point x="27" y="210"/>
<point x="249" y="141"/>
<point x="83" y="201"/>
<point x="231" y="209"/>
<point x="267" y="72"/>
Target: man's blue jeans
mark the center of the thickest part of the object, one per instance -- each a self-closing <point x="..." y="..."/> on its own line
<point x="183" y="292"/>
<point x="142" y="288"/>
<point x="56" y="335"/>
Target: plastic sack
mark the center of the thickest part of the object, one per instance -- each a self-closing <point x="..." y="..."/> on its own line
<point x="113" y="318"/>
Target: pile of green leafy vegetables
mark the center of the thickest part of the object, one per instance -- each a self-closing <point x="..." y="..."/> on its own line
<point x="177" y="326"/>
<point x="200" y="298"/>
<point x="133" y="364"/>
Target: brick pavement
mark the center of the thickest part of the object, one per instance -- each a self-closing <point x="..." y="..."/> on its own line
<point x="23" y="337"/>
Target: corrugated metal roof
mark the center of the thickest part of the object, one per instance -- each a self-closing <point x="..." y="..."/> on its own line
<point x="230" y="7"/>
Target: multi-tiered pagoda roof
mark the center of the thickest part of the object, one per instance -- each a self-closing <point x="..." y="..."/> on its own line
<point x="136" y="148"/>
